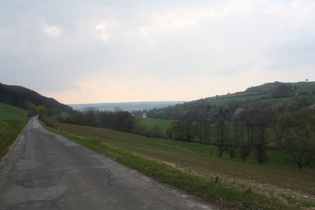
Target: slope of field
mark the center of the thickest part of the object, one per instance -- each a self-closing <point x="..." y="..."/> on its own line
<point x="307" y="89"/>
<point x="219" y="101"/>
<point x="12" y="121"/>
<point x="164" y="124"/>
<point x="267" y="181"/>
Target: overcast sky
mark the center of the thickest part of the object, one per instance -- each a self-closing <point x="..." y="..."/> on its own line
<point x="94" y="51"/>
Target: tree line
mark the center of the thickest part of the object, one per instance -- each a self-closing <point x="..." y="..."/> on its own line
<point x="253" y="132"/>
<point x="117" y="120"/>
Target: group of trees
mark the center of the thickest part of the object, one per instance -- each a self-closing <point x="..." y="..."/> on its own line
<point x="117" y="120"/>
<point x="235" y="138"/>
<point x="253" y="133"/>
<point x="142" y="129"/>
<point x="294" y="132"/>
<point x="40" y="110"/>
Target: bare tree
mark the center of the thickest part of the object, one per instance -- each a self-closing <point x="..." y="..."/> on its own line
<point x="234" y="139"/>
<point x="260" y="145"/>
<point x="221" y="136"/>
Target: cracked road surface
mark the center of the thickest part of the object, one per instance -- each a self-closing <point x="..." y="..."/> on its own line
<point x="44" y="170"/>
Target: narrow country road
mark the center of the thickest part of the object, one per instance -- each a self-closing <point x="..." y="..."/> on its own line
<point x="44" y="170"/>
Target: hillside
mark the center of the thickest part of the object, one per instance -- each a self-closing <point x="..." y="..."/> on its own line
<point x="22" y="97"/>
<point x="276" y="93"/>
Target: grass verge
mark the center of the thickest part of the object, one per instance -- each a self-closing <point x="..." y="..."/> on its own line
<point x="12" y="121"/>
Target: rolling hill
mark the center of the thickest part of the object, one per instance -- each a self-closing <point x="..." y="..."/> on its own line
<point x="276" y="93"/>
<point x="22" y="97"/>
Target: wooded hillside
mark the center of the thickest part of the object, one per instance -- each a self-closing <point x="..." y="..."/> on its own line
<point x="270" y="96"/>
<point x="22" y="97"/>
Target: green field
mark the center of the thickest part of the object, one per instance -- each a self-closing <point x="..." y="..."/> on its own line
<point x="63" y="115"/>
<point x="190" y="167"/>
<point x="305" y="87"/>
<point x="250" y="99"/>
<point x="275" y="157"/>
<point x="12" y="121"/>
<point x="164" y="124"/>
<point x="221" y="101"/>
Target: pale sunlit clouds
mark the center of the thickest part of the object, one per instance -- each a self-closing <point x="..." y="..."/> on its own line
<point x="53" y="31"/>
<point x="117" y="51"/>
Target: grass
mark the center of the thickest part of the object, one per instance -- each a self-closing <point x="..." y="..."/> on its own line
<point x="221" y="101"/>
<point x="164" y="124"/>
<point x="12" y="121"/>
<point x="198" y="148"/>
<point x="276" y="157"/>
<point x="305" y="87"/>
<point x="242" y="185"/>
<point x="63" y="115"/>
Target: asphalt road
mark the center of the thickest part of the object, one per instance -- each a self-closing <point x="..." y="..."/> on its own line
<point x="44" y="170"/>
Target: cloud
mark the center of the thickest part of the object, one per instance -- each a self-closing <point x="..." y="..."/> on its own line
<point x="105" y="29"/>
<point x="102" y="30"/>
<point x="101" y="51"/>
<point x="293" y="49"/>
<point x="181" y="19"/>
<point x="297" y="14"/>
<point x="53" y="31"/>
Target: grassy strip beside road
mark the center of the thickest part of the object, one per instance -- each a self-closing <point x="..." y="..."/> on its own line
<point x="12" y="121"/>
<point x="240" y="185"/>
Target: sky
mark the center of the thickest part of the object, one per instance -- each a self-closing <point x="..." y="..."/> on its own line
<point x="99" y="51"/>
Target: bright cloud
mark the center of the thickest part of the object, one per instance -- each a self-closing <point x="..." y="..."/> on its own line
<point x="298" y="14"/>
<point x="53" y="31"/>
<point x="104" y="29"/>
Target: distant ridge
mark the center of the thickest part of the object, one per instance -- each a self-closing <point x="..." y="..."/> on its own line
<point x="21" y="97"/>
<point x="274" y="90"/>
<point x="127" y="106"/>
<point x="225" y="105"/>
